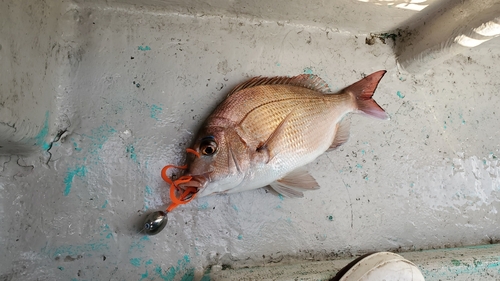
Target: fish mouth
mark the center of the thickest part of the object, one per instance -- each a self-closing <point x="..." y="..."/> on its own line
<point x="197" y="181"/>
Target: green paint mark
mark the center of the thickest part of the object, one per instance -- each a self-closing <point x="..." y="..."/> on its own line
<point x="455" y="262"/>
<point x="60" y="268"/>
<point x="40" y="138"/>
<point x="144" y="48"/>
<point x="135" y="262"/>
<point x="308" y="70"/>
<point x="79" y="171"/>
<point x="155" y="110"/>
<point x="484" y="161"/>
<point x="149" y="191"/>
<point x="400" y="95"/>
<point x="105" y="204"/>
<point x="330" y="218"/>
<point x="240" y="237"/>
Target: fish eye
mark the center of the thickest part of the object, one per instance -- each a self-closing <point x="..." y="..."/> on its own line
<point x="208" y="146"/>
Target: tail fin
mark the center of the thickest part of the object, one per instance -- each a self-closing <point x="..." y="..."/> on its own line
<point x="362" y="91"/>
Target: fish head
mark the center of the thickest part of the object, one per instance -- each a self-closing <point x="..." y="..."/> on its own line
<point x="218" y="166"/>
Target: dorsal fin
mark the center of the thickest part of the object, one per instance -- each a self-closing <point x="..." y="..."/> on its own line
<point x="309" y="81"/>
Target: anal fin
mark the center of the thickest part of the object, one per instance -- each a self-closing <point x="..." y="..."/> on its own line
<point x="341" y="135"/>
<point x="294" y="183"/>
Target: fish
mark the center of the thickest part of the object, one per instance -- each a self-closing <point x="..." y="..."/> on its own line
<point x="266" y="131"/>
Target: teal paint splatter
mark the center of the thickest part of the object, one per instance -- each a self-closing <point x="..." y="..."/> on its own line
<point x="105" y="204"/>
<point x="240" y="237"/>
<point x="400" y="95"/>
<point x="308" y="70"/>
<point x="330" y="218"/>
<point x="76" y="147"/>
<point x="174" y="270"/>
<point x="79" y="171"/>
<point x="462" y="118"/>
<point x="148" y="262"/>
<point x="280" y="196"/>
<point x="155" y="110"/>
<point x="99" y="245"/>
<point x="149" y="191"/>
<point x="189" y="275"/>
<point x="278" y="64"/>
<point x="363" y="152"/>
<point x="359" y="166"/>
<point x="235" y="207"/>
<point x="144" y="48"/>
<point x="105" y="231"/>
<point x="203" y="206"/>
<point x="98" y="138"/>
<point x="138" y="245"/>
<point x="135" y="262"/>
<point x="205" y="278"/>
<point x="144" y="275"/>
<point x="168" y="275"/>
<point x="60" y="268"/>
<point x="131" y="152"/>
<point x="75" y="250"/>
<point x="40" y="138"/>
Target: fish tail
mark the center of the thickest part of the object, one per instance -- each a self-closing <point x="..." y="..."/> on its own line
<point x="362" y="92"/>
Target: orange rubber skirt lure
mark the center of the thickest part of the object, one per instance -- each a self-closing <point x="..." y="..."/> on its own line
<point x="185" y="196"/>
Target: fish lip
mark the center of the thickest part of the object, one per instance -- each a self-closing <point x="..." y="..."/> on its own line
<point x="197" y="181"/>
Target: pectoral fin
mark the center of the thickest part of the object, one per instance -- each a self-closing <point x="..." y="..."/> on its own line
<point x="266" y="148"/>
<point x="294" y="183"/>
